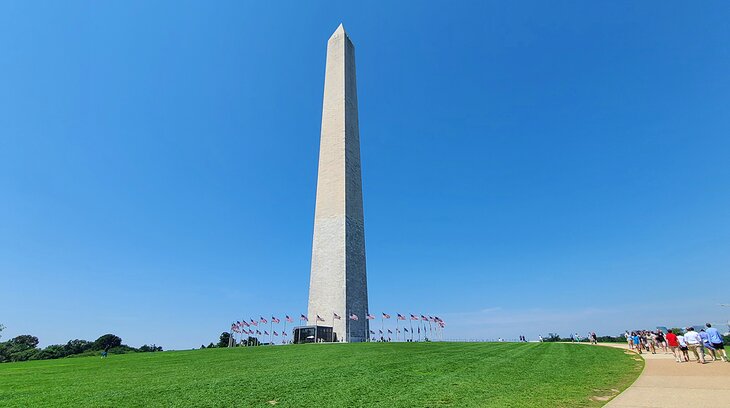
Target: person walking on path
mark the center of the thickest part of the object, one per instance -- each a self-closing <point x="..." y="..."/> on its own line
<point x="694" y="342"/>
<point x="674" y="346"/>
<point x="661" y="340"/>
<point x="652" y="338"/>
<point x="716" y="341"/>
<point x="637" y="341"/>
<point x="707" y="345"/>
<point x="683" y="347"/>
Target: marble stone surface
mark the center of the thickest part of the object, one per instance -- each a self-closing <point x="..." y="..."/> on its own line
<point x="338" y="281"/>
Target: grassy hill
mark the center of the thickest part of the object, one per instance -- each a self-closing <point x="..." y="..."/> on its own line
<point x="329" y="375"/>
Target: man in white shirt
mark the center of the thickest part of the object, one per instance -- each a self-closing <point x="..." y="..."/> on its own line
<point x="694" y="342"/>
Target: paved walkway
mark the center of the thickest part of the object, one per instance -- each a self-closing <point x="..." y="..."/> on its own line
<point x="665" y="383"/>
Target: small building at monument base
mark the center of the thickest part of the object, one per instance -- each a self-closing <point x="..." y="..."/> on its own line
<point x="306" y="334"/>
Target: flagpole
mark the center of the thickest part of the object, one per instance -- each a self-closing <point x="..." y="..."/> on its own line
<point x="316" y="321"/>
<point x="271" y="332"/>
<point x="410" y="319"/>
<point x="396" y="328"/>
<point x="382" y="327"/>
<point x="282" y="336"/>
<point x="348" y="327"/>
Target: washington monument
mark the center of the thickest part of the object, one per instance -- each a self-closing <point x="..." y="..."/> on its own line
<point x="338" y="281"/>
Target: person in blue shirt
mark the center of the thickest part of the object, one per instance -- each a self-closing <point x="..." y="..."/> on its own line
<point x="637" y="341"/>
<point x="708" y="346"/>
<point x="716" y="340"/>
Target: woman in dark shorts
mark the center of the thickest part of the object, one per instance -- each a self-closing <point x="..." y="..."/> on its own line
<point x="660" y="340"/>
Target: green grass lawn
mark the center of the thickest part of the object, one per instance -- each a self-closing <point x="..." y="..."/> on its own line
<point x="329" y="375"/>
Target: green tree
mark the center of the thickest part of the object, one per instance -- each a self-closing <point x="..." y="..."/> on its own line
<point x="25" y="341"/>
<point x="77" y="346"/>
<point x="2" y="327"/>
<point x="52" y="351"/>
<point x="4" y="352"/>
<point x="223" y="340"/>
<point x="107" y="340"/>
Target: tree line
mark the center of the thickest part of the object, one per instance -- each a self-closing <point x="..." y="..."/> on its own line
<point x="25" y="347"/>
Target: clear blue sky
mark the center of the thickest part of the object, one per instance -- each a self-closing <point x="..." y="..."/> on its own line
<point x="527" y="166"/>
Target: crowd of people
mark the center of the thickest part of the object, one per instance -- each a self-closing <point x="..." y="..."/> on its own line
<point x="707" y="341"/>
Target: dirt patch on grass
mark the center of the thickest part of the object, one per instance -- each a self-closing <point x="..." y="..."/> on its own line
<point x="604" y="395"/>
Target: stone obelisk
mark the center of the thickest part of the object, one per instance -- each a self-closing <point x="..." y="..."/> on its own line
<point x="338" y="281"/>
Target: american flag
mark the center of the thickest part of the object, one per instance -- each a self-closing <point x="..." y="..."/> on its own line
<point x="370" y="317"/>
<point x="302" y="317"/>
<point x="381" y="332"/>
<point x="258" y="332"/>
<point x="336" y="316"/>
<point x="264" y="321"/>
<point x="372" y="332"/>
<point x="254" y="322"/>
<point x="275" y="320"/>
<point x="414" y="317"/>
<point x="401" y="317"/>
<point x="386" y="316"/>
<point x="405" y="330"/>
<point x="319" y="319"/>
<point x="289" y="319"/>
<point x="389" y="331"/>
<point x="266" y="333"/>
<point x="244" y="323"/>
<point x="276" y="334"/>
<point x="283" y="334"/>
<point x="424" y="317"/>
<point x="353" y="316"/>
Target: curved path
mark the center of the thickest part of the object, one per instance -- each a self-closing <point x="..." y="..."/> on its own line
<point x="665" y="383"/>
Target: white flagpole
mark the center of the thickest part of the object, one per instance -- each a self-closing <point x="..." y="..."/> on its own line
<point x="411" y="321"/>
<point x="396" y="328"/>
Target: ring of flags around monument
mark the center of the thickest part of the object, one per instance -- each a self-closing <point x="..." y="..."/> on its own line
<point x="420" y="327"/>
